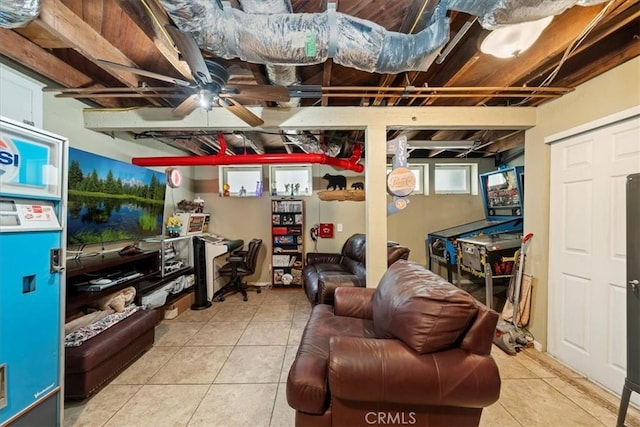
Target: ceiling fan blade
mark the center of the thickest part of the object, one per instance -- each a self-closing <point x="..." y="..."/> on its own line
<point x="261" y="92"/>
<point x="161" y="77"/>
<point x="241" y="111"/>
<point x="187" y="106"/>
<point x="191" y="54"/>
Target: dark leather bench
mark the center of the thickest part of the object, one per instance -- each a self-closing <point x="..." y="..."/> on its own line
<point x="98" y="360"/>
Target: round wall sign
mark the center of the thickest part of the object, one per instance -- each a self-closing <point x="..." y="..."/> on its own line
<point x="401" y="182"/>
<point x="174" y="177"/>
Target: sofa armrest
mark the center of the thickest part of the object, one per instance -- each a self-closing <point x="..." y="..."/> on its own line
<point x="328" y="283"/>
<point x="384" y="370"/>
<point x="323" y="257"/>
<point x="354" y="302"/>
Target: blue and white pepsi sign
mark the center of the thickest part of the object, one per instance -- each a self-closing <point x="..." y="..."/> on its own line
<point x="30" y="163"/>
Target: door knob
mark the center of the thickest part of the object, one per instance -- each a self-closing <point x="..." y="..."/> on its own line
<point x="634" y="285"/>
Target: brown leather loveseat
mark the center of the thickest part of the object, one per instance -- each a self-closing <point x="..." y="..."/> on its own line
<point x="414" y="351"/>
<point x="324" y="272"/>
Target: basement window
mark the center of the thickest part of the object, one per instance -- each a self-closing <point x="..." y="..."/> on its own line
<point x="290" y="180"/>
<point x="242" y="180"/>
<point x="456" y="178"/>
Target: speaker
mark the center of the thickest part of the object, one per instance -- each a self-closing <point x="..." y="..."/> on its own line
<point x="200" y="272"/>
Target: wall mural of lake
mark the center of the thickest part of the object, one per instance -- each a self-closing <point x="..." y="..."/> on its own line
<point x="111" y="200"/>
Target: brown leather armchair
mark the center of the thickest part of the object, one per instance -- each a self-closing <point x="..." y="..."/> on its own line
<point x="324" y="272"/>
<point x="414" y="351"/>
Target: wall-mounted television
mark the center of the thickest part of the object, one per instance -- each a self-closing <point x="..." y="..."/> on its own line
<point x="110" y="200"/>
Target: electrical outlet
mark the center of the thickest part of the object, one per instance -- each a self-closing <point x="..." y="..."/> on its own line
<point x="339" y="228"/>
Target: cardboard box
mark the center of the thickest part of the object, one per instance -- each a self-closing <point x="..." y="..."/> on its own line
<point x="179" y="306"/>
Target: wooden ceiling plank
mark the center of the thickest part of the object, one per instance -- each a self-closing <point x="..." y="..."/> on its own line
<point x="326" y="79"/>
<point x="30" y="55"/>
<point x="151" y="18"/>
<point x="509" y="142"/>
<point x="64" y="24"/>
<point x="41" y="36"/>
<point x="561" y="33"/>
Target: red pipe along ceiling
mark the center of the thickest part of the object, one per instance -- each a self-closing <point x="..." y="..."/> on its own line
<point x="254" y="159"/>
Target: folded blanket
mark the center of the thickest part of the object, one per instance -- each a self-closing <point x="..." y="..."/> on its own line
<point x="76" y="338"/>
<point x="85" y="320"/>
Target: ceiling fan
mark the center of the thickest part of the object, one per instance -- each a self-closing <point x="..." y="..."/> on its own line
<point x="208" y="88"/>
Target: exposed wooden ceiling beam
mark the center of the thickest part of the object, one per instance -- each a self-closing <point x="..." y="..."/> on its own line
<point x="326" y="79"/>
<point x="30" y="55"/>
<point x="506" y="143"/>
<point x="151" y="18"/>
<point x="56" y="18"/>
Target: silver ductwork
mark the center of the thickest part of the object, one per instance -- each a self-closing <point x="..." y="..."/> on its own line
<point x="18" y="13"/>
<point x="494" y="14"/>
<point x="280" y="75"/>
<point x="311" y="38"/>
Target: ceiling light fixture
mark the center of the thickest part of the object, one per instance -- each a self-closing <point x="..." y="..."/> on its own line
<point x="511" y="40"/>
<point x="441" y="145"/>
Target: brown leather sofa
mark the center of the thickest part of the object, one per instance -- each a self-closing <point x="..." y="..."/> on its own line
<point x="414" y="351"/>
<point x="324" y="272"/>
<point x="98" y="360"/>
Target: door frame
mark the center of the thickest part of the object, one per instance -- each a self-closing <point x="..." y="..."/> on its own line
<point x="609" y="120"/>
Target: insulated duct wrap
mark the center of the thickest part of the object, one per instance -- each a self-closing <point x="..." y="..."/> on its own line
<point x="303" y="39"/>
<point x="279" y="75"/>
<point x="495" y="14"/>
<point x="18" y="13"/>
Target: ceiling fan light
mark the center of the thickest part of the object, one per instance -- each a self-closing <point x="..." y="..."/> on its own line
<point x="204" y="100"/>
<point x="510" y="41"/>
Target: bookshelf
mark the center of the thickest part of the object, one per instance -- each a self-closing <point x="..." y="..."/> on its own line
<point x="287" y="242"/>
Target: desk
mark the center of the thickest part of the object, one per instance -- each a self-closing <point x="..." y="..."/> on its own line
<point x="215" y="248"/>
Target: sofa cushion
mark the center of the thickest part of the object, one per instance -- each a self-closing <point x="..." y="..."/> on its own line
<point x="307" y="382"/>
<point x="420" y="308"/>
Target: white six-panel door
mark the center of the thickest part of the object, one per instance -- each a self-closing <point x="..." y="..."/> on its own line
<point x="587" y="249"/>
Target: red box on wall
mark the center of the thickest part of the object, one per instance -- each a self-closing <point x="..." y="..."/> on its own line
<point x="326" y="231"/>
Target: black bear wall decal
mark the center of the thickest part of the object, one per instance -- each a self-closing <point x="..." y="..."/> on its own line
<point x="358" y="185"/>
<point x="336" y="182"/>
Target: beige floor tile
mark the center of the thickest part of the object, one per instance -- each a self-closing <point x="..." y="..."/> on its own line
<point x="289" y="357"/>
<point x="235" y="313"/>
<point x="218" y="333"/>
<point x="281" y="296"/>
<point x="175" y="334"/>
<point x="510" y="366"/>
<point x="203" y="315"/>
<point x="295" y="334"/>
<point x="534" y="365"/>
<point x="600" y="409"/>
<point x="227" y="405"/>
<point x="265" y="333"/>
<point x="283" y="414"/>
<point x="273" y="313"/>
<point x="253" y="298"/>
<point x="496" y="416"/>
<point x="100" y="408"/>
<point x="551" y="363"/>
<point x="533" y="402"/>
<point x="252" y="364"/>
<point x="144" y="368"/>
<point x="193" y="365"/>
<point x="159" y="406"/>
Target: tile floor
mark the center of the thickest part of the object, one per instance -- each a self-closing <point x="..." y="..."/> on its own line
<point x="227" y="366"/>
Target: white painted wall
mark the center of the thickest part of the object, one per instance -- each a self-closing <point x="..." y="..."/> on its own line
<point x="612" y="92"/>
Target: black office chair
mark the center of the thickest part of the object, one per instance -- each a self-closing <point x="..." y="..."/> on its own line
<point x="240" y="264"/>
